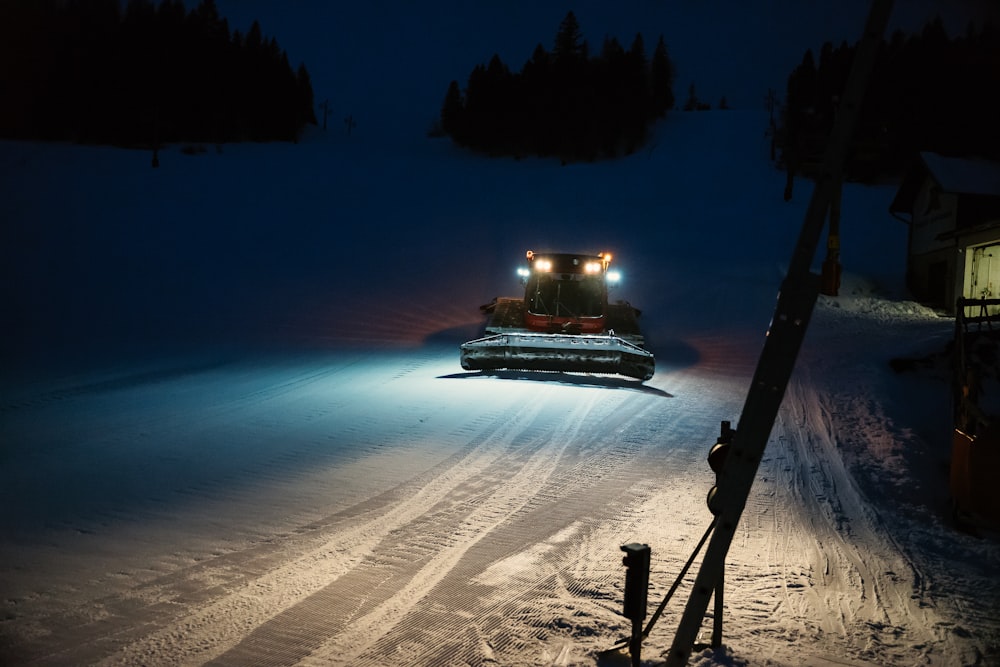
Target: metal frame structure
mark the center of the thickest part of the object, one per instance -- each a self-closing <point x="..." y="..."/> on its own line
<point x="784" y="339"/>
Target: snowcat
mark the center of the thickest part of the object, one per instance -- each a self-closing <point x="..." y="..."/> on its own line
<point x="563" y="323"/>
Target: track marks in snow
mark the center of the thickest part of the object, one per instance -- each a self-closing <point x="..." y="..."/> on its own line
<point x="457" y="527"/>
<point x="827" y="561"/>
<point x="393" y="555"/>
<point x="488" y="528"/>
<point x="521" y="571"/>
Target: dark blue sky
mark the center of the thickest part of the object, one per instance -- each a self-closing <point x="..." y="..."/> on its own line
<point x="732" y="49"/>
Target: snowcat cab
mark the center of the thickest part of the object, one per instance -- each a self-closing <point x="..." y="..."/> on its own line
<point x="566" y="293"/>
<point x="564" y="322"/>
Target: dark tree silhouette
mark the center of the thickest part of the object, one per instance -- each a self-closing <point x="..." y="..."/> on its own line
<point x="693" y="103"/>
<point x="451" y="111"/>
<point x="928" y="92"/>
<point x="564" y="103"/>
<point x="570" y="47"/>
<point x="146" y="74"/>
<point x="661" y="79"/>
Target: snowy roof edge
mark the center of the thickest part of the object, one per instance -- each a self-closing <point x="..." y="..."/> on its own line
<point x="963" y="175"/>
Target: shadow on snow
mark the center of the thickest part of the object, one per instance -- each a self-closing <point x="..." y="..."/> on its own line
<point x="608" y="382"/>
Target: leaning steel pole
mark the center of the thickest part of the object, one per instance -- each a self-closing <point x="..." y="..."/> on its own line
<point x="781" y="347"/>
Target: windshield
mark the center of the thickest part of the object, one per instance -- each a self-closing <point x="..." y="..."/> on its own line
<point x="579" y="296"/>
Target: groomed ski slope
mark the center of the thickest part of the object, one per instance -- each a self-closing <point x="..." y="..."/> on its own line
<point x="235" y="430"/>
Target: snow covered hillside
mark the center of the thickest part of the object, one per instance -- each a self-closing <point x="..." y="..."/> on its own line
<point x="286" y="460"/>
<point x="234" y="429"/>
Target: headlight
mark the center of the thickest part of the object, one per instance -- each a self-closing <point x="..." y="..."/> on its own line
<point x="613" y="276"/>
<point x="543" y="265"/>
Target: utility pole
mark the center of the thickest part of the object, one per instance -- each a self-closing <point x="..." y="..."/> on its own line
<point x="781" y="347"/>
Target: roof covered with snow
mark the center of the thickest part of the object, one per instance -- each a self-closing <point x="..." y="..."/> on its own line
<point x="964" y="175"/>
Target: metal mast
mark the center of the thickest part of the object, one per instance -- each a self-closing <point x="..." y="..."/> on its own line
<point x="784" y="338"/>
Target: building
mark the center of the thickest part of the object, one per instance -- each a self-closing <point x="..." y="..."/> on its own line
<point x="952" y="207"/>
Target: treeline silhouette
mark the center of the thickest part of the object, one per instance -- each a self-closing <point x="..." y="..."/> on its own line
<point x="565" y="103"/>
<point x="89" y="71"/>
<point x="928" y="92"/>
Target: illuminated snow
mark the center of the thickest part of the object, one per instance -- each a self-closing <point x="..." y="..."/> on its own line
<point x="234" y="426"/>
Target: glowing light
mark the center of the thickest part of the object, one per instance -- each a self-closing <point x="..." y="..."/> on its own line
<point x="523" y="272"/>
<point x="592" y="267"/>
<point x="543" y="264"/>
<point x="614" y="276"/>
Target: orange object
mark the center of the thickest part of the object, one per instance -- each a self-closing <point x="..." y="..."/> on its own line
<point x="975" y="472"/>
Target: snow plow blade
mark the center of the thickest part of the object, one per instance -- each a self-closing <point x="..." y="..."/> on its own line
<point x="569" y="353"/>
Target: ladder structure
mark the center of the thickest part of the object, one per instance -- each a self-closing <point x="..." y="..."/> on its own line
<point x="791" y="317"/>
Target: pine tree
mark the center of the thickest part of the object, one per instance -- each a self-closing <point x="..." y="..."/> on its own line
<point x="662" y="79"/>
<point x="451" y="113"/>
<point x="537" y="101"/>
<point x="692" y="102"/>
<point x="801" y="97"/>
<point x="637" y="105"/>
<point x="563" y="104"/>
<point x="569" y="44"/>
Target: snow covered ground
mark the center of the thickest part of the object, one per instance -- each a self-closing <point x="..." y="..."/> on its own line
<point x="234" y="429"/>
